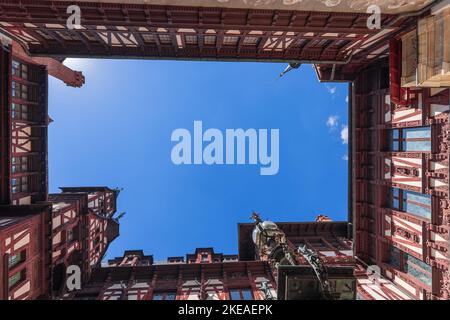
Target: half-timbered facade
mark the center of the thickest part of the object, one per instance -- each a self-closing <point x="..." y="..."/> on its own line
<point x="203" y="275"/>
<point x="83" y="227"/>
<point x="207" y="275"/>
<point x="399" y="153"/>
<point x="24" y="131"/>
<point x="400" y="179"/>
<point x="25" y="262"/>
<point x="326" y="238"/>
<point x="333" y="34"/>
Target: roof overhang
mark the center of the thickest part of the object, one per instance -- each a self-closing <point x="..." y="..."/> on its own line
<point x="387" y="7"/>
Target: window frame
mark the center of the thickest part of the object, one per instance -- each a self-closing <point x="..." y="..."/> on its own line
<point x="241" y="292"/>
<point x="19" y="90"/>
<point x="19" y="164"/>
<point x="164" y="295"/>
<point x="21" y="187"/>
<point x="398" y="139"/>
<point x="401" y="199"/>
<point x="402" y="261"/>
<point x="19" y="258"/>
<point x="22" y="276"/>
<point x="20" y="111"/>
<point x="19" y="69"/>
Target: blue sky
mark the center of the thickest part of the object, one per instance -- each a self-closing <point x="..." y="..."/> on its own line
<point x="116" y="131"/>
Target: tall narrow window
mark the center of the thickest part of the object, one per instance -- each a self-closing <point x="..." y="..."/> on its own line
<point x="16" y="68"/>
<point x="19" y="112"/>
<point x="395" y="193"/>
<point x="411" y="139"/>
<point x="96" y="241"/>
<point x="16" y="259"/>
<point x="70" y="235"/>
<point x="394" y="258"/>
<point x="19" y="70"/>
<point x="19" y="185"/>
<point x="19" y="91"/>
<point x="19" y="164"/>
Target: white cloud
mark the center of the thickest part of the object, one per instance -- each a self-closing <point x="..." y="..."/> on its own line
<point x="332" y="122"/>
<point x="345" y="157"/>
<point x="344" y="134"/>
<point x="346" y="99"/>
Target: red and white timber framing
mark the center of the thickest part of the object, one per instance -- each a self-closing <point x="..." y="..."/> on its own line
<point x="101" y="200"/>
<point x="67" y="228"/>
<point x="183" y="281"/>
<point x="379" y="106"/>
<point x="87" y="213"/>
<point x="339" y="41"/>
<point x="25" y="262"/>
<point x="54" y="67"/>
<point x="23" y="131"/>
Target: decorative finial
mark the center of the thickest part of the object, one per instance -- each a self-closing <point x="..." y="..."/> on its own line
<point x="255" y="217"/>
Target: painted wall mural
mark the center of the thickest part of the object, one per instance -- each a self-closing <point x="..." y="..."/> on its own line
<point x="387" y="6"/>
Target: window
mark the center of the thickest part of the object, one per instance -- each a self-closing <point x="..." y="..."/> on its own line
<point x="19" y="185"/>
<point x="210" y="40"/>
<point x="251" y="41"/>
<point x="16" y="278"/>
<point x="412" y="139"/>
<point x="191" y="40"/>
<point x="407" y="263"/>
<point x="19" y="90"/>
<point x="16" y="259"/>
<point x="230" y="40"/>
<point x="19" y="70"/>
<point x="394" y="259"/>
<point x="164" y="296"/>
<point x="165" y="39"/>
<point x="411" y="202"/>
<point x="66" y="35"/>
<point x="70" y="235"/>
<point x="395" y="196"/>
<point x="19" y="111"/>
<point x="301" y="42"/>
<point x="19" y="164"/>
<point x="418" y="269"/>
<point x="96" y="241"/>
<point x="148" y="38"/>
<point x="204" y="257"/>
<point x="241" y="294"/>
<point x="44" y="35"/>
